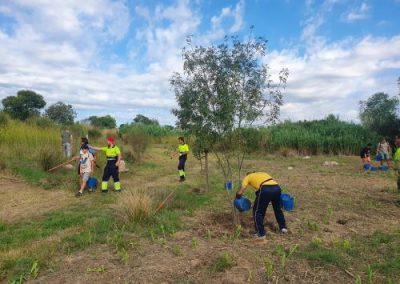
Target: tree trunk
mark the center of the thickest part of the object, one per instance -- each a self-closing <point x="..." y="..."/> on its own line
<point x="206" y="170"/>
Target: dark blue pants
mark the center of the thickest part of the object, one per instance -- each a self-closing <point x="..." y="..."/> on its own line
<point x="182" y="161"/>
<point x="111" y="170"/>
<point x="267" y="194"/>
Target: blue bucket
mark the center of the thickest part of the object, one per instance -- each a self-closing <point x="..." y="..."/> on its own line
<point x="242" y="204"/>
<point x="366" y="167"/>
<point x="373" y="169"/>
<point x="229" y="185"/>
<point x="384" y="168"/>
<point x="92" y="182"/>
<point x="287" y="202"/>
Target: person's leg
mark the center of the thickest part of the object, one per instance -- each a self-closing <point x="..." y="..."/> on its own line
<point x="181" y="168"/>
<point x="106" y="178"/>
<point x="69" y="150"/>
<point x="259" y="211"/>
<point x="115" y="176"/>
<point x="276" y="204"/>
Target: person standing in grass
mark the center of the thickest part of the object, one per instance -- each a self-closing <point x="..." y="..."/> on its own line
<point x="365" y="154"/>
<point x="267" y="191"/>
<point x="114" y="156"/>
<point x="183" y="150"/>
<point x="66" y="139"/>
<point x="383" y="150"/>
<point x="86" y="168"/>
<point x="396" y="159"/>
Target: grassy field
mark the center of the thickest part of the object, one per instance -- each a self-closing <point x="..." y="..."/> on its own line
<point x="345" y="228"/>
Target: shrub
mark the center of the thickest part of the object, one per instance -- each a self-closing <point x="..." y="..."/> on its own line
<point x="3" y="119"/>
<point x="49" y="157"/>
<point x="94" y="133"/>
<point x="138" y="144"/>
<point x="136" y="204"/>
<point x="223" y="262"/>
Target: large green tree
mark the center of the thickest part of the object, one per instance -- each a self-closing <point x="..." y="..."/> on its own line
<point x="224" y="89"/>
<point x="24" y="105"/>
<point x="379" y="113"/>
<point x="61" y="113"/>
<point x="145" y="120"/>
<point x="106" y="121"/>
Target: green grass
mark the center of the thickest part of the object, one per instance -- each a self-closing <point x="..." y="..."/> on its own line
<point x="223" y="262"/>
<point x="320" y="255"/>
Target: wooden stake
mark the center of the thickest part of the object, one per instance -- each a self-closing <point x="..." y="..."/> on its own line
<point x="162" y="203"/>
<point x="63" y="164"/>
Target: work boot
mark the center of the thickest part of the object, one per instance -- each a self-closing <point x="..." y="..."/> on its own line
<point x="78" y="194"/>
<point x="182" y="179"/>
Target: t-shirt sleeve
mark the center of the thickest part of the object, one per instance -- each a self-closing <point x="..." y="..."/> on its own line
<point x="104" y="149"/>
<point x="187" y="148"/>
<point x="117" y="150"/>
<point x="245" y="181"/>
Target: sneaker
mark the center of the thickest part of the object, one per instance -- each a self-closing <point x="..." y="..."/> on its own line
<point x="260" y="239"/>
<point x="284" y="231"/>
<point x="90" y="190"/>
<point x="104" y="191"/>
<point x="78" y="194"/>
<point x="182" y="179"/>
<point x="117" y="190"/>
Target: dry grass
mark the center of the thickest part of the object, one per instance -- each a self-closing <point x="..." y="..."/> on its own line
<point x="20" y="200"/>
<point x="136" y="204"/>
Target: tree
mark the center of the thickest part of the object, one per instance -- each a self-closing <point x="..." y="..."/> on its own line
<point x="103" y="121"/>
<point x="61" y="113"/>
<point x="224" y="89"/>
<point x="145" y="120"/>
<point x="379" y="113"/>
<point x="24" y="105"/>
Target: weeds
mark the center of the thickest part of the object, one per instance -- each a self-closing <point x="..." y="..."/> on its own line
<point x="177" y="250"/>
<point x="268" y="268"/>
<point x="285" y="254"/>
<point x="312" y="225"/>
<point x="194" y="243"/>
<point x="328" y="215"/>
<point x="223" y="262"/>
<point x="34" y="270"/>
<point x="370" y="273"/>
<point x="136" y="204"/>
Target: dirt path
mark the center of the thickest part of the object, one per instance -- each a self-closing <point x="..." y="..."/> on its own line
<point x="20" y="200"/>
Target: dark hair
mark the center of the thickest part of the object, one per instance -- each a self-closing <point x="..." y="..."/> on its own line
<point x="181" y="138"/>
<point x="369" y="144"/>
<point x="85" y="147"/>
<point x="84" y="140"/>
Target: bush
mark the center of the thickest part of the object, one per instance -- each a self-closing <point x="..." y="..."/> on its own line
<point x="42" y="122"/>
<point x="136" y="204"/>
<point x="94" y="133"/>
<point x="223" y="262"/>
<point x="138" y="144"/>
<point x="3" y="119"/>
<point x="49" y="157"/>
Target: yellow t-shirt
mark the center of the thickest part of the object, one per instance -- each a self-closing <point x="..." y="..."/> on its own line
<point x="256" y="179"/>
<point x="111" y="152"/>
<point x="183" y="148"/>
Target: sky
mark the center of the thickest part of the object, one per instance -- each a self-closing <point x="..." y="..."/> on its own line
<point x="116" y="56"/>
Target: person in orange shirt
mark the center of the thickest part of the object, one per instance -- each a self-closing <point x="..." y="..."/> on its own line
<point x="267" y="191"/>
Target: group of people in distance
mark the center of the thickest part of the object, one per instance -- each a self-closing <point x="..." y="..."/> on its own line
<point x="384" y="155"/>
<point x="87" y="162"/>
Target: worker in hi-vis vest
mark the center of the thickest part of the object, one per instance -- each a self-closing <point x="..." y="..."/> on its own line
<point x="114" y="157"/>
<point x="183" y="150"/>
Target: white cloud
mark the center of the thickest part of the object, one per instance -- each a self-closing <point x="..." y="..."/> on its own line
<point x="357" y="14"/>
<point x="335" y="77"/>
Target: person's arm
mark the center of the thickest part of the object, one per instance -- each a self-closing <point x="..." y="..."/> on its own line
<point x="96" y="148"/>
<point x="240" y="192"/>
<point x="119" y="159"/>
<point x="80" y="168"/>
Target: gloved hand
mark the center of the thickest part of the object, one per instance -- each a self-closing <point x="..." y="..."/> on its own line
<point x="238" y="195"/>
